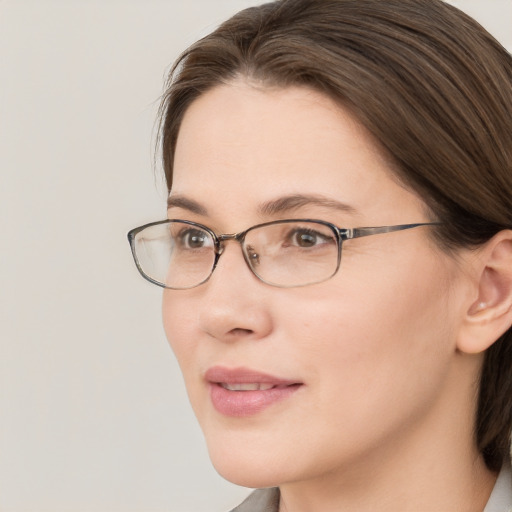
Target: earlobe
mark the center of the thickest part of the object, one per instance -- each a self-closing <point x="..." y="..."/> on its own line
<point x="490" y="314"/>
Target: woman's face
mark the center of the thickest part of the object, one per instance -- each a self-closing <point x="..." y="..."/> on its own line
<point x="349" y="369"/>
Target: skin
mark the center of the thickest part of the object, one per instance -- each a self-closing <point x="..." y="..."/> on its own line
<point x="383" y="419"/>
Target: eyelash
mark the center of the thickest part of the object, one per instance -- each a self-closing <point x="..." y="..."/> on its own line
<point x="311" y="232"/>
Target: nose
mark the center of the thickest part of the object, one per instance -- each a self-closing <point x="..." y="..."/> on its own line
<point x="234" y="303"/>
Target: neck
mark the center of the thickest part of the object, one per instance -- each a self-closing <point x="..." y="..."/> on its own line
<point x="433" y="465"/>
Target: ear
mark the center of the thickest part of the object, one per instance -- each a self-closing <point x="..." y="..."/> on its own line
<point x="490" y="314"/>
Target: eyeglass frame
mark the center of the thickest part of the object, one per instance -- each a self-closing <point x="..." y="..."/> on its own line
<point x="342" y="234"/>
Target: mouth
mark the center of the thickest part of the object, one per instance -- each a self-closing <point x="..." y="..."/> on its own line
<point x="242" y="392"/>
<point x="253" y="386"/>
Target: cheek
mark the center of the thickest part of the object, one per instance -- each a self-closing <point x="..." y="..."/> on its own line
<point x="383" y="347"/>
<point x="179" y="321"/>
<point x="180" y="325"/>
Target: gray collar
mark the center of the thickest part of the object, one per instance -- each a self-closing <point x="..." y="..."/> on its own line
<point x="261" y="500"/>
<point x="501" y="496"/>
<point x="267" y="500"/>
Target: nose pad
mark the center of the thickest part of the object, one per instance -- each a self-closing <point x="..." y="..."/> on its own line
<point x="222" y="249"/>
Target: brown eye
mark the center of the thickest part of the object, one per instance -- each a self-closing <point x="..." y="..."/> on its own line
<point x="194" y="239"/>
<point x="306" y="238"/>
<point x="254" y="257"/>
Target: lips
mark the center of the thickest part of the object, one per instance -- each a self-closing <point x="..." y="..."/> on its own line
<point x="239" y="392"/>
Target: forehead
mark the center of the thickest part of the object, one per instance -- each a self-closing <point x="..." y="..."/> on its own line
<point x="240" y="144"/>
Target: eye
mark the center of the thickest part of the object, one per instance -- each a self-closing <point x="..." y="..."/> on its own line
<point x="306" y="238"/>
<point x="193" y="238"/>
<point x="253" y="256"/>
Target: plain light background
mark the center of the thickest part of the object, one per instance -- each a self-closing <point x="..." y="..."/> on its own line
<point x="93" y="413"/>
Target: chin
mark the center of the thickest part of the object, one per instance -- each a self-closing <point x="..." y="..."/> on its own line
<point x="248" y="467"/>
<point x="248" y="474"/>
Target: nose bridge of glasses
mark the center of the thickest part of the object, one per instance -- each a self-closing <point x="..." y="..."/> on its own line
<point x="239" y="237"/>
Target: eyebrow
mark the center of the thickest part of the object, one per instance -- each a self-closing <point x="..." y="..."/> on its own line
<point x="185" y="203"/>
<point x="272" y="207"/>
<point x="296" y="201"/>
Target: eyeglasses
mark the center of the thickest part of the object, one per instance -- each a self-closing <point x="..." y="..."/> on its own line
<point x="181" y="254"/>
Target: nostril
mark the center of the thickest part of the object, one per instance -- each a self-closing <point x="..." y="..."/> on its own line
<point x="240" y="332"/>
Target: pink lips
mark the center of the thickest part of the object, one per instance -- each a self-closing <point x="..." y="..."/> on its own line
<point x="240" y="392"/>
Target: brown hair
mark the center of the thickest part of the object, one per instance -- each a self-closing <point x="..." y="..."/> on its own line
<point x="427" y="81"/>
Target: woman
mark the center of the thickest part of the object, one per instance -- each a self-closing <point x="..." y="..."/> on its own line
<point x="354" y="353"/>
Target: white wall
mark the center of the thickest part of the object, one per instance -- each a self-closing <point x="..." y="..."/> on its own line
<point x="93" y="414"/>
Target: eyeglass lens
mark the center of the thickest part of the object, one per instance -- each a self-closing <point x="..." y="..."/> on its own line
<point x="180" y="255"/>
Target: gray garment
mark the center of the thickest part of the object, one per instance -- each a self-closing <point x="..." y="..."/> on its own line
<point x="261" y="500"/>
<point x="267" y="500"/>
<point x="501" y="496"/>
